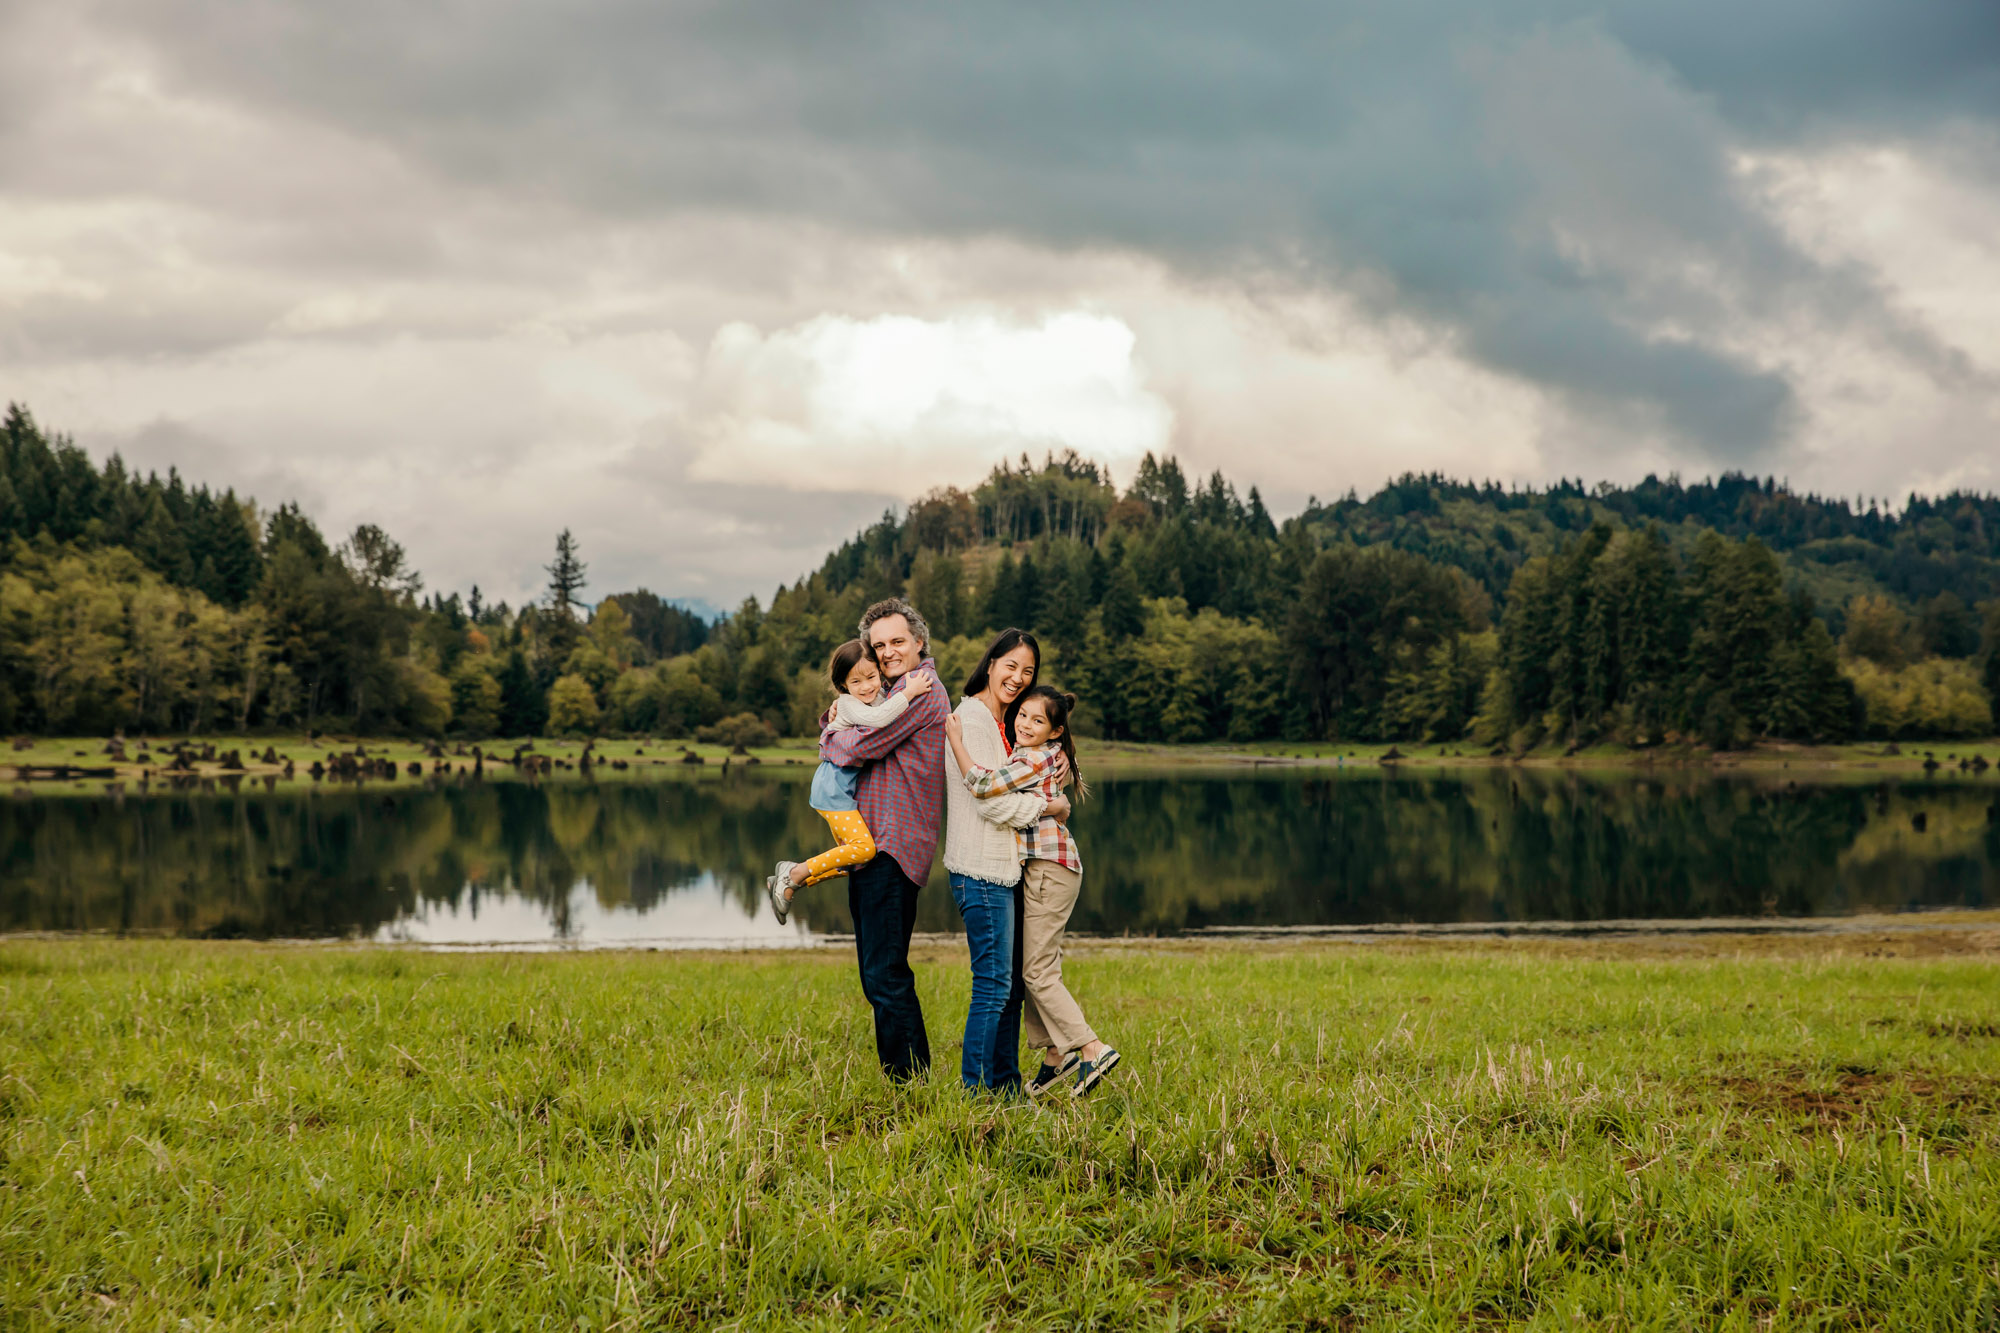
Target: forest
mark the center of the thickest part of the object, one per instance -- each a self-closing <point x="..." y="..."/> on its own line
<point x="1717" y="613"/>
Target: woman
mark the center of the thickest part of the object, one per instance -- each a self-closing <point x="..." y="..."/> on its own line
<point x="984" y="862"/>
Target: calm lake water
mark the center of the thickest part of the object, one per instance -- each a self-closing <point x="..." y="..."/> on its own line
<point x="681" y="859"/>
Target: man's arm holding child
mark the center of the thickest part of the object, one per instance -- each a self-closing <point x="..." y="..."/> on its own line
<point x="859" y="745"/>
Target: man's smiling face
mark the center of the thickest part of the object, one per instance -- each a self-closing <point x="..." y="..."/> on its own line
<point x="895" y="646"/>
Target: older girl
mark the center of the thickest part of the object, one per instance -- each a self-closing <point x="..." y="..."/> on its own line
<point x="1044" y="761"/>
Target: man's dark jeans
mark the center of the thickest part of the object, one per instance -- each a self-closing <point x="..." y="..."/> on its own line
<point x="883" y="901"/>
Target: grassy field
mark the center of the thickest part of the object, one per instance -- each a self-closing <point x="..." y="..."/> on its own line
<point x="629" y="758"/>
<point x="1738" y="1135"/>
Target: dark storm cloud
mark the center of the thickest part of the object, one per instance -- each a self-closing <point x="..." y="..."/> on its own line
<point x="1549" y="186"/>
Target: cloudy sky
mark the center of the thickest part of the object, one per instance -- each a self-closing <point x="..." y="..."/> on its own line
<point x="712" y="284"/>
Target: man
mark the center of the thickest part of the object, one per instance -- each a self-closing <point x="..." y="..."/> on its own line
<point x="901" y="796"/>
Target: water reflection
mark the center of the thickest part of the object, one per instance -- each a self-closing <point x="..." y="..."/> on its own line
<point x="681" y="859"/>
<point x="704" y="914"/>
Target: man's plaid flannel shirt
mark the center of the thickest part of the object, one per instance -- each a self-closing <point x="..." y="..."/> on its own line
<point x="901" y="791"/>
<point x="1043" y="771"/>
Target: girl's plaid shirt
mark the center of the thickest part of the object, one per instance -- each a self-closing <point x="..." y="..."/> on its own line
<point x="1044" y="772"/>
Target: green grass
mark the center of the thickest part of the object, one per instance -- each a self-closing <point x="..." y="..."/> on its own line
<point x="220" y="1136"/>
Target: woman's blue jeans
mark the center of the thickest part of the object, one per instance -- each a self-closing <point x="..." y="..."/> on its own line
<point x="992" y="915"/>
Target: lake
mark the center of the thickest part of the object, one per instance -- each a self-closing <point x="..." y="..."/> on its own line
<point x="680" y="860"/>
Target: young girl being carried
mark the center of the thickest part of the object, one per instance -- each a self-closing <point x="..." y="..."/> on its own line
<point x="857" y="684"/>
<point x="1044" y="761"/>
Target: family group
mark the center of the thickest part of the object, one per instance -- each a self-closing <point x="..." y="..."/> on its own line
<point x="996" y="777"/>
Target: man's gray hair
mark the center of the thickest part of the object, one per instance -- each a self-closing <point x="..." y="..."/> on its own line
<point x="896" y="606"/>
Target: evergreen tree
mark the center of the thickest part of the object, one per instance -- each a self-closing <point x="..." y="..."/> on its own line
<point x="1810" y="698"/>
<point x="937" y="588"/>
<point x="1160" y="486"/>
<point x="1946" y="627"/>
<point x="1257" y="520"/>
<point x="661" y="628"/>
<point x="566" y="575"/>
<point x="1123" y="615"/>
<point x="288" y="526"/>
<point x="763" y="685"/>
<point x="1637" y="633"/>
<point x="1027" y="599"/>
<point x="1000" y="600"/>
<point x="1738" y="613"/>
<point x="475" y="700"/>
<point x="558" y="624"/>
<point x="1361" y="615"/>
<point x="1583" y="659"/>
<point x="523" y="705"/>
<point x="1529" y="636"/>
<point x="162" y="543"/>
<point x="1065" y="602"/>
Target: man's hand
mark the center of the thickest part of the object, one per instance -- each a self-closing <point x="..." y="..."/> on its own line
<point x="1057" y="809"/>
<point x="954" y="730"/>
<point x="920" y="683"/>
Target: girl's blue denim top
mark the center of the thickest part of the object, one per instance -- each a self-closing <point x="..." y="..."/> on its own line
<point x="833" y="787"/>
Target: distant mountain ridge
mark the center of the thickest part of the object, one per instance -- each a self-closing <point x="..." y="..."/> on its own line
<point x="1835" y="551"/>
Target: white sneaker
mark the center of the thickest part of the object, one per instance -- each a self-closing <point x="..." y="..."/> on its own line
<point x="779" y="888"/>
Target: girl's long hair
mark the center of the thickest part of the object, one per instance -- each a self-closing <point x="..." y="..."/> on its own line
<point x="1057" y="707"/>
<point x="1003" y="643"/>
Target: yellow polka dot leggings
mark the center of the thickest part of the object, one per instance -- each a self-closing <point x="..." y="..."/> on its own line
<point x="855" y="845"/>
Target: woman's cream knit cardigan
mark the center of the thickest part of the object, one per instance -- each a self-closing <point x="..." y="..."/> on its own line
<point x="979" y="835"/>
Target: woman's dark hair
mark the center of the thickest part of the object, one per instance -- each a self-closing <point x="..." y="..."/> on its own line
<point x="845" y="658"/>
<point x="1057" y="707"/>
<point x="1006" y="641"/>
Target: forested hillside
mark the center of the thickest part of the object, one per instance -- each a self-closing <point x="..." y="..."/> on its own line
<point x="1721" y="613"/>
<point x="1834" y="550"/>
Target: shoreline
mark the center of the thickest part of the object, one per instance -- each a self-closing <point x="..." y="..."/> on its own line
<point x="57" y="764"/>
<point x="1976" y="756"/>
<point x="1973" y="931"/>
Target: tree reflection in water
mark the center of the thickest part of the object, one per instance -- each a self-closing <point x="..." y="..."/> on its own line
<point x="1163" y="851"/>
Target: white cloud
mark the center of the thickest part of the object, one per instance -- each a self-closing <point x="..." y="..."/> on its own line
<point x="899" y="404"/>
<point x="1926" y="232"/>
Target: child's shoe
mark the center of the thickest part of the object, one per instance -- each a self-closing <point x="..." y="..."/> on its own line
<point x="1093" y="1070"/>
<point x="1050" y="1075"/>
<point x="779" y="887"/>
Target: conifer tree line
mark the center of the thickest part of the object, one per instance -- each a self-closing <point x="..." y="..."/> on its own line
<point x="1717" y="612"/>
